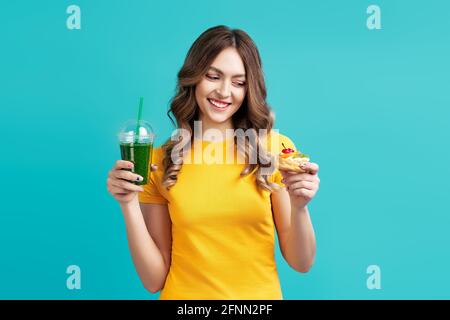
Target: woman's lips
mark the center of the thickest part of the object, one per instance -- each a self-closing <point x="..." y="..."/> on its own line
<point x="218" y="104"/>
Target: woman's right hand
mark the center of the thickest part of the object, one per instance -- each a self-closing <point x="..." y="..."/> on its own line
<point x="119" y="181"/>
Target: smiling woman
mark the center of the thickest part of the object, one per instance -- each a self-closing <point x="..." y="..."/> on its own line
<point x="206" y="230"/>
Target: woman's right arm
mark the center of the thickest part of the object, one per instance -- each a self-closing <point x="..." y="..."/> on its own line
<point x="148" y="228"/>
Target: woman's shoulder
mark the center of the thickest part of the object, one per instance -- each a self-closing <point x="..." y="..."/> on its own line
<point x="158" y="154"/>
<point x="275" y="141"/>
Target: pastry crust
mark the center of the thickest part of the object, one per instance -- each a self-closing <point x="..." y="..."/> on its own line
<point x="289" y="164"/>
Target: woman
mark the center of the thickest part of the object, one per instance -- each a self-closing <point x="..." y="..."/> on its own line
<point x="203" y="228"/>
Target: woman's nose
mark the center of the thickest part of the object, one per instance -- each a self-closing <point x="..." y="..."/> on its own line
<point x="224" y="90"/>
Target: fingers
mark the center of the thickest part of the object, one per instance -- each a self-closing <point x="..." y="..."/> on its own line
<point x="119" y="182"/>
<point x="311" y="167"/>
<point x="119" y="191"/>
<point x="290" y="179"/>
<point x="124" y="185"/>
<point x="120" y="194"/>
<point x="126" y="175"/>
<point x="301" y="184"/>
<point x="123" y="164"/>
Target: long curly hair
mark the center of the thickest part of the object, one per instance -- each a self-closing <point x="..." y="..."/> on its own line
<point x="254" y="112"/>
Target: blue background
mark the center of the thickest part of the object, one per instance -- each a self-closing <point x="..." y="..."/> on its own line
<point x="370" y="106"/>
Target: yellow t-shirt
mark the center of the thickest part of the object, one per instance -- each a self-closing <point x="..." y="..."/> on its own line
<point x="222" y="227"/>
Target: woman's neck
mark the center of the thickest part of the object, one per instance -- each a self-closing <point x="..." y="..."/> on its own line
<point x="216" y="131"/>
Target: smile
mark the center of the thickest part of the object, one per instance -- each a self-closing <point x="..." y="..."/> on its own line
<point x="218" y="105"/>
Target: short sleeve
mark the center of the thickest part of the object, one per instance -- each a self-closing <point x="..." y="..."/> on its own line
<point x="276" y="145"/>
<point x="153" y="189"/>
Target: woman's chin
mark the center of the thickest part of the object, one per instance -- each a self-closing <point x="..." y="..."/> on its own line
<point x="218" y="118"/>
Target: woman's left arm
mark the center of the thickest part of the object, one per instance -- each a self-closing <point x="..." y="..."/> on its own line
<point x="292" y="220"/>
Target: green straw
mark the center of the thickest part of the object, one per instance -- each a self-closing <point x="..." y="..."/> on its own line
<point x="141" y="104"/>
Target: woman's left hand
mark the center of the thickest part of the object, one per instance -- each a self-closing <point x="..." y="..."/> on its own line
<point x="302" y="187"/>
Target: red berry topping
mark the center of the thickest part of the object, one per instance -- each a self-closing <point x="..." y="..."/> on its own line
<point x="287" y="150"/>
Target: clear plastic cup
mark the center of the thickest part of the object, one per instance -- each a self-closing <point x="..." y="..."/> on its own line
<point x="136" y="145"/>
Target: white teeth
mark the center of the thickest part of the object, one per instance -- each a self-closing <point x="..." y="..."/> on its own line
<point x="218" y="104"/>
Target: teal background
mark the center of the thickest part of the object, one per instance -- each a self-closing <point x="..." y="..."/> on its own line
<point x="370" y="107"/>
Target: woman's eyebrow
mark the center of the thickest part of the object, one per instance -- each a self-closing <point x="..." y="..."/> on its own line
<point x="221" y="72"/>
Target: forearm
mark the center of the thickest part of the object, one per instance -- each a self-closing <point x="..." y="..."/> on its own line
<point x="301" y="242"/>
<point x="147" y="258"/>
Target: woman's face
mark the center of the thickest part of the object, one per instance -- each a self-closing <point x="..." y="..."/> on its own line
<point x="222" y="89"/>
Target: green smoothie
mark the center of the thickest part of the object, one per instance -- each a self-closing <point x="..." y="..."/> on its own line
<point x="141" y="155"/>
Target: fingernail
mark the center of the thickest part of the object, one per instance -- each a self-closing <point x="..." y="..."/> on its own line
<point x="130" y="165"/>
<point x="139" y="178"/>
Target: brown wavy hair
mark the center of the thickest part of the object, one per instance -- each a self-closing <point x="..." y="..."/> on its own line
<point x="254" y="112"/>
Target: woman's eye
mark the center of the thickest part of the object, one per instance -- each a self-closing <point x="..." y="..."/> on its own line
<point x="212" y="77"/>
<point x="240" y="84"/>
